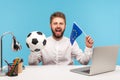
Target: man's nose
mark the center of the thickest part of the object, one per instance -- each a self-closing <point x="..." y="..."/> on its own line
<point x="58" y="25"/>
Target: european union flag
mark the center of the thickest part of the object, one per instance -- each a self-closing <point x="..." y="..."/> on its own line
<point x="76" y="31"/>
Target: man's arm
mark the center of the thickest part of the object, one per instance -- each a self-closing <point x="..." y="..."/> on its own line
<point x="88" y="50"/>
<point x="83" y="57"/>
<point x="86" y="56"/>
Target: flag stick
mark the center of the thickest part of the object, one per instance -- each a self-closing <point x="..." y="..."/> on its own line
<point x="81" y="29"/>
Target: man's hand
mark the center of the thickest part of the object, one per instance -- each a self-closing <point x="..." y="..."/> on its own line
<point x="89" y="42"/>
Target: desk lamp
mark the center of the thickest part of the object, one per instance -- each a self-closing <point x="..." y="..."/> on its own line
<point x="15" y="47"/>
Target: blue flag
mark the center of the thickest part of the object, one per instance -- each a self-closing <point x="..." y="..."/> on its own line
<point x="76" y="31"/>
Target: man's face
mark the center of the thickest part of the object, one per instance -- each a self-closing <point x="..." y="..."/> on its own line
<point x="58" y="27"/>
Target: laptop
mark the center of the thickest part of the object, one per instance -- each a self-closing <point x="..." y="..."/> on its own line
<point x="103" y="60"/>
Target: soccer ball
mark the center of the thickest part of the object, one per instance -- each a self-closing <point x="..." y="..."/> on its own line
<point x="36" y="41"/>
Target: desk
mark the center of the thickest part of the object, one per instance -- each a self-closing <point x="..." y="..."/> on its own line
<point x="59" y="73"/>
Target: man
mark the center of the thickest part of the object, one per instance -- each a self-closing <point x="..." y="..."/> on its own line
<point x="58" y="49"/>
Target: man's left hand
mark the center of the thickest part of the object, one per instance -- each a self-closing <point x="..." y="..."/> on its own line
<point x="89" y="42"/>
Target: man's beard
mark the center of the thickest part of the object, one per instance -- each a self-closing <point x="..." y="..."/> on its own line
<point x="58" y="36"/>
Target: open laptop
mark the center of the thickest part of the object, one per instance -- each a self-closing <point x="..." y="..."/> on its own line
<point x="103" y="60"/>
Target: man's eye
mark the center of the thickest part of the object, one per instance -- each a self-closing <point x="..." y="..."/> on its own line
<point x="61" y="23"/>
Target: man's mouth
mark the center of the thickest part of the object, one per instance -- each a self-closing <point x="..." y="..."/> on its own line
<point x="58" y="30"/>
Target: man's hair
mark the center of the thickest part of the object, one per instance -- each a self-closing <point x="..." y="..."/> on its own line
<point x="57" y="14"/>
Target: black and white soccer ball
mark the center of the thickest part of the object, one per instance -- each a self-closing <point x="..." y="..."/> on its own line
<point x="36" y="41"/>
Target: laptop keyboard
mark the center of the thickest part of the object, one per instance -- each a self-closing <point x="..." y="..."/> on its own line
<point x="86" y="71"/>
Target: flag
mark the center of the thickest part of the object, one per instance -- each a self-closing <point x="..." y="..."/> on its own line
<point x="76" y="31"/>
